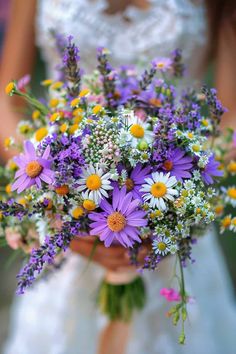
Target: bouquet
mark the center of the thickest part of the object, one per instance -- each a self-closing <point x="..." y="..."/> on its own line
<point x="129" y="159"/>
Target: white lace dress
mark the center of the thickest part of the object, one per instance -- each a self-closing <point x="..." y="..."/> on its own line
<point x="58" y="316"/>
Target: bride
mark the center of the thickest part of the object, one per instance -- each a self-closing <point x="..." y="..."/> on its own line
<point x="58" y="315"/>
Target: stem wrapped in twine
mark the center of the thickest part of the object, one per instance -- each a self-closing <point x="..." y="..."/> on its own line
<point x="120" y="294"/>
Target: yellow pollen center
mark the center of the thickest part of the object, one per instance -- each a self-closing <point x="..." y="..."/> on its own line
<point x="137" y="131"/>
<point x="93" y="182"/>
<point x="226" y="222"/>
<point x="161" y="246"/>
<point x="116" y="222"/>
<point x="129" y="184"/>
<point x="232" y="166"/>
<point x="158" y="189"/>
<point x="33" y="169"/>
<point x="232" y="193"/>
<point x="168" y="165"/>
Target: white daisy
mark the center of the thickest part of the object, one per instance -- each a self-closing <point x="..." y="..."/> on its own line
<point x="94" y="183"/>
<point x="159" y="188"/>
<point x="161" y="245"/>
<point x="139" y="131"/>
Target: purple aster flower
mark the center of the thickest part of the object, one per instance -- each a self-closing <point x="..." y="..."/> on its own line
<point x="162" y="64"/>
<point x="136" y="179"/>
<point x="178" y="164"/>
<point x="32" y="169"/>
<point x="119" y="221"/>
<point x="211" y="170"/>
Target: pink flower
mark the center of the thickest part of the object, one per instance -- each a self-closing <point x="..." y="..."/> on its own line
<point x="170" y="294"/>
<point x="13" y="238"/>
<point x="23" y="82"/>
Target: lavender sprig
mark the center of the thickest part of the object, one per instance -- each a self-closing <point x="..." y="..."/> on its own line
<point x="71" y="68"/>
<point x="108" y="76"/>
<point x="45" y="254"/>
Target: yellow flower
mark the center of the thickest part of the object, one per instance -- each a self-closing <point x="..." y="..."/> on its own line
<point x="137" y="131"/>
<point x="232" y="167"/>
<point x="63" y="128"/>
<point x="73" y="128"/>
<point x="55" y="116"/>
<point x="57" y="85"/>
<point x="219" y="209"/>
<point x="77" y="212"/>
<point x="8" y="188"/>
<point x="78" y="119"/>
<point x="226" y="222"/>
<point x="98" y="108"/>
<point x="36" y="115"/>
<point x="8" y="142"/>
<point x="75" y="102"/>
<point x="41" y="133"/>
<point x="1" y="216"/>
<point x="10" y="88"/>
<point x="89" y="205"/>
<point x="84" y="92"/>
<point x="54" y="102"/>
<point x="62" y="190"/>
<point x="77" y="111"/>
<point x="12" y="165"/>
<point x="47" y="82"/>
<point x="190" y="135"/>
<point x="232" y="193"/>
<point x="25" y="128"/>
<point x="205" y="122"/>
<point x="22" y="201"/>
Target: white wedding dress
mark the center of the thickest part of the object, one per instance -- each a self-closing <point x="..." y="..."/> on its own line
<point x="58" y="315"/>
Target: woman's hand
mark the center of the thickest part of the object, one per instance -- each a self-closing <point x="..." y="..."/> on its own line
<point x="113" y="258"/>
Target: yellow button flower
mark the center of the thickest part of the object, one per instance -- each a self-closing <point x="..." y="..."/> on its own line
<point x="75" y="102"/>
<point x="10" y="88"/>
<point x="41" y="133"/>
<point x="73" y="128"/>
<point x="63" y="128"/>
<point x="98" y="108"/>
<point x="77" y="212"/>
<point x="8" y="188"/>
<point x="36" y="114"/>
<point x="54" y="102"/>
<point x="57" y="85"/>
<point x="47" y="82"/>
<point x="84" y="92"/>
<point x="89" y="205"/>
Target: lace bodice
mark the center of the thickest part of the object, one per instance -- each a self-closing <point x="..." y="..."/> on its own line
<point x="166" y="25"/>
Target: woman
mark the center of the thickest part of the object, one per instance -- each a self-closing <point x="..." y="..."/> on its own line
<point x="58" y="316"/>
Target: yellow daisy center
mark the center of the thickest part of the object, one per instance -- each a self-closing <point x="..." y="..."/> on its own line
<point x="232" y="166"/>
<point x="232" y="193"/>
<point x="93" y="182"/>
<point x="33" y="169"/>
<point x="137" y="131"/>
<point x="41" y="133"/>
<point x="168" y="165"/>
<point x="116" y="221"/>
<point x="62" y="190"/>
<point x="226" y="222"/>
<point x="89" y="204"/>
<point x="129" y="184"/>
<point x="158" y="190"/>
<point x="77" y="212"/>
<point x="161" y="246"/>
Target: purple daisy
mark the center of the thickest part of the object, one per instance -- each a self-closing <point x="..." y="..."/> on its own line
<point x="211" y="170"/>
<point x="32" y="169"/>
<point x="136" y="179"/>
<point x="178" y="164"/>
<point x="119" y="221"/>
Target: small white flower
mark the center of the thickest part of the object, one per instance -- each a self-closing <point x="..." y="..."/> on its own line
<point x="138" y="131"/>
<point x="94" y="183"/>
<point x="161" y="246"/>
<point x="158" y="189"/>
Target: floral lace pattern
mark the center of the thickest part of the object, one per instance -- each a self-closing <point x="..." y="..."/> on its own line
<point x="166" y="25"/>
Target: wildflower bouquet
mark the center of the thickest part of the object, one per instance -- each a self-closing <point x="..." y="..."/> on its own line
<point x="126" y="159"/>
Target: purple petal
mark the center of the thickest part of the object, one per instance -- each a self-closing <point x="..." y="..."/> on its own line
<point x="29" y="149"/>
